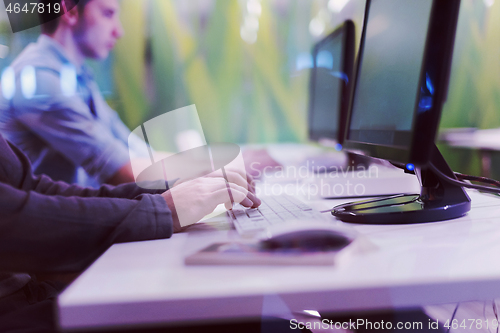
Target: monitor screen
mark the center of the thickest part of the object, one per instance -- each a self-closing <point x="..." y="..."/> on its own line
<point x="329" y="83"/>
<point x="388" y="76"/>
<point x="326" y="92"/>
<point x="400" y="87"/>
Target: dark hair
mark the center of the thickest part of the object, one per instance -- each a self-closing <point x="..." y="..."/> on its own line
<point x="49" y="21"/>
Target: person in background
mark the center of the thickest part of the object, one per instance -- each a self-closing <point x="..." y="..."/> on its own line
<point x="68" y="130"/>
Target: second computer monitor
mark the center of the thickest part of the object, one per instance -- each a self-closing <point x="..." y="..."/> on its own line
<point x="402" y="78"/>
<point x="401" y="85"/>
<point x="329" y="85"/>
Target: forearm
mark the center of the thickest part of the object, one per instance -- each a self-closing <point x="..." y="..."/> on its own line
<point x="40" y="233"/>
<point x="45" y="185"/>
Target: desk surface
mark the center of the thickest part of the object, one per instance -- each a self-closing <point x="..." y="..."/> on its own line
<point x="472" y="138"/>
<point x="386" y="267"/>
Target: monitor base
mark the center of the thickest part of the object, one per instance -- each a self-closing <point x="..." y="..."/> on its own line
<point x="437" y="201"/>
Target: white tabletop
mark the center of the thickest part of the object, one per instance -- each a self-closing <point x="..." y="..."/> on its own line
<point x="386" y="267"/>
<point x="488" y="139"/>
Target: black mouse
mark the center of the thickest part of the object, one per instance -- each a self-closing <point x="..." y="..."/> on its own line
<point x="306" y="237"/>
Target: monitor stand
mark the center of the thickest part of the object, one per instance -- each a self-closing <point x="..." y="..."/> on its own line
<point x="438" y="200"/>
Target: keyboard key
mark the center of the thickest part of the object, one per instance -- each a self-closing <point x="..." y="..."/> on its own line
<point x="253" y="213"/>
<point x="279" y="209"/>
<point x="274" y="210"/>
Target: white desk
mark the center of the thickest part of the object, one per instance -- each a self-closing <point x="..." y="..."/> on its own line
<point x="472" y="138"/>
<point x="387" y="267"/>
<point x="486" y="142"/>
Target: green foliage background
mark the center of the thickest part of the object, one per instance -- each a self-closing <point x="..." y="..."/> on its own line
<point x="251" y="92"/>
<point x="244" y="93"/>
<point x="474" y="93"/>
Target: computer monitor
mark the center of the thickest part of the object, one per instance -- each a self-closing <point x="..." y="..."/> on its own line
<point x="401" y="84"/>
<point x="330" y="84"/>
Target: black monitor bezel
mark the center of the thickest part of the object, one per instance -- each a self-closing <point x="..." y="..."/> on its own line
<point x="437" y="64"/>
<point x="347" y="32"/>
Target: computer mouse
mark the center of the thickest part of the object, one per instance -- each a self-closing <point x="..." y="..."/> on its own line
<point x="313" y="237"/>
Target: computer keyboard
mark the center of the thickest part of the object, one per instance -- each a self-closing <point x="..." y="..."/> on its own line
<point x="273" y="210"/>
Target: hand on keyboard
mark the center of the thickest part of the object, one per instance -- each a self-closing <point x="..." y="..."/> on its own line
<point x="274" y="210"/>
<point x="198" y="197"/>
<point x="237" y="176"/>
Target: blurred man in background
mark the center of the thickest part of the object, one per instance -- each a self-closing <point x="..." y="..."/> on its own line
<point x="66" y="127"/>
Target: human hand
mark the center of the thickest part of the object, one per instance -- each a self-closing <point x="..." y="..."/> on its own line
<point x="192" y="200"/>
<point x="234" y="172"/>
<point x="235" y="175"/>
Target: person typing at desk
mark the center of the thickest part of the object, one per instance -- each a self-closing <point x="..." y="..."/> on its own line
<point x="65" y="127"/>
<point x="54" y="227"/>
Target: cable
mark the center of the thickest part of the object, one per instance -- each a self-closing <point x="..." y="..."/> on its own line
<point x="452" y="317"/>
<point x="402" y="166"/>
<point x="397" y="165"/>
<point x="462" y="184"/>
<point x="495" y="311"/>
<point x="461" y="176"/>
<point x="484" y="314"/>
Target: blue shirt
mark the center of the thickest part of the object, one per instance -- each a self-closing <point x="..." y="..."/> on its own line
<point x="58" y="117"/>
